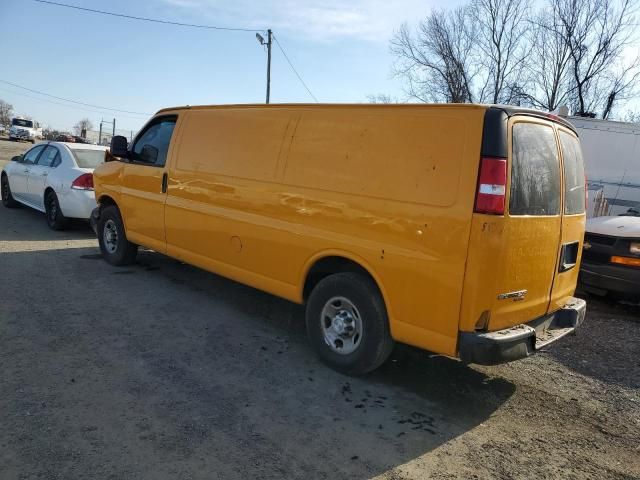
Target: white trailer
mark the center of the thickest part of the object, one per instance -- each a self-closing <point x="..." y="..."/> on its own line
<point x="611" y="153"/>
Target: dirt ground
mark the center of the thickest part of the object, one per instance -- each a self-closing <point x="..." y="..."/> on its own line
<point x="163" y="371"/>
<point x="9" y="149"/>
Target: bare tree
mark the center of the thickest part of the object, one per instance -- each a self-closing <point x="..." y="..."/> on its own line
<point x="548" y="63"/>
<point x="382" y="98"/>
<point x="632" y="116"/>
<point x="597" y="32"/>
<point x="572" y="52"/>
<point x="83" y="126"/>
<point x="436" y="62"/>
<point x="501" y="50"/>
<point x="622" y="85"/>
<point x="6" y="113"/>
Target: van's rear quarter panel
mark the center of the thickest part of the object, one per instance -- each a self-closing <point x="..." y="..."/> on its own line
<point x="262" y="193"/>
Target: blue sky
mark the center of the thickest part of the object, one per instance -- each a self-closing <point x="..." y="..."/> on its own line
<point x="340" y="48"/>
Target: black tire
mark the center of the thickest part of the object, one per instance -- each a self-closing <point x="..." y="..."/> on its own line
<point x="374" y="346"/>
<point x="117" y="250"/>
<point x="7" y="199"/>
<point x="55" y="219"/>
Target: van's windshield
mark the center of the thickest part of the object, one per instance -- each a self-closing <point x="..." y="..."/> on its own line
<point x="19" y="122"/>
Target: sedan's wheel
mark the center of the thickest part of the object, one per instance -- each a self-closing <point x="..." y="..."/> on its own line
<point x="55" y="219"/>
<point x="7" y="199"/>
<point x="115" y="247"/>
<point x="347" y="323"/>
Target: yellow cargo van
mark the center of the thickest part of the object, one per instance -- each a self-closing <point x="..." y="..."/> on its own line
<point x="454" y="228"/>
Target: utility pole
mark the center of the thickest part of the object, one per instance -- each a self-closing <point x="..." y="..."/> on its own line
<point x="268" y="64"/>
<point x="268" y="44"/>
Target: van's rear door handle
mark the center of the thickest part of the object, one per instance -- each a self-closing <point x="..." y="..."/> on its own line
<point x="165" y="179"/>
<point x="568" y="256"/>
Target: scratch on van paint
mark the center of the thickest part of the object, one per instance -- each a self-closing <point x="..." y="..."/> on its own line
<point x="284" y="136"/>
<point x="293" y="135"/>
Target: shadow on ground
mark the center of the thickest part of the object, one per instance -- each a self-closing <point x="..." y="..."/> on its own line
<point x="607" y="346"/>
<point x="28" y="224"/>
<point x="161" y="370"/>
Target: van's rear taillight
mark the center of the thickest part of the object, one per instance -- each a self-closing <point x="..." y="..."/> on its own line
<point x="492" y="186"/>
<point x="83" y="182"/>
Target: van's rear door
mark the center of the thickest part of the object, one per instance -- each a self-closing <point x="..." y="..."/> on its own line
<point x="532" y="224"/>
<point x="573" y="219"/>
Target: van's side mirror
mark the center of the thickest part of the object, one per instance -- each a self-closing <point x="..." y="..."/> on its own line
<point x="119" y="146"/>
<point x="17" y="158"/>
<point x="149" y="154"/>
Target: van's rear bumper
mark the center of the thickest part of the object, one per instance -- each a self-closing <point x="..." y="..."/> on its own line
<point x="501" y="346"/>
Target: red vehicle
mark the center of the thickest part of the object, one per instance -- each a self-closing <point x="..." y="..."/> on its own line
<point x="65" y="138"/>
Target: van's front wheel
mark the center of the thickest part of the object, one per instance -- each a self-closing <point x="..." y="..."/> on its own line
<point x="115" y="247"/>
<point x="347" y="323"/>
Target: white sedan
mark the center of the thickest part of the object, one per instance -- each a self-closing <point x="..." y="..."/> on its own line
<point x="55" y="178"/>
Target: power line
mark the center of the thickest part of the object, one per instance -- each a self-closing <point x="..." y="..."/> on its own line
<point x="145" y="19"/>
<point x="74" y="101"/>
<point x="294" y="69"/>
<point x="82" y="109"/>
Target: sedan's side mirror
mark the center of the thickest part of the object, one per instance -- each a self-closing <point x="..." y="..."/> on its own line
<point x="119" y="146"/>
<point x="17" y="158"/>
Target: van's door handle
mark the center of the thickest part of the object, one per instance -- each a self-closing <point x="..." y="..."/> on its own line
<point x="568" y="256"/>
<point x="44" y="174"/>
<point x="165" y="179"/>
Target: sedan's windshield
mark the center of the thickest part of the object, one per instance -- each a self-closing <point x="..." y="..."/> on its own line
<point x="88" y="158"/>
<point x="19" y="122"/>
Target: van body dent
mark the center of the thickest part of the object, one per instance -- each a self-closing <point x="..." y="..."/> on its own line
<point x="467" y="221"/>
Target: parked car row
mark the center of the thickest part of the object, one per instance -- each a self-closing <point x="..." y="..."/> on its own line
<point x="458" y="229"/>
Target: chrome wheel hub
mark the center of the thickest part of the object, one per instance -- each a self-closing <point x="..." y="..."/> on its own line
<point x="341" y="325"/>
<point x="110" y="236"/>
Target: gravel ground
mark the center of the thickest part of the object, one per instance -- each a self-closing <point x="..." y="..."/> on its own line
<point x="163" y="371"/>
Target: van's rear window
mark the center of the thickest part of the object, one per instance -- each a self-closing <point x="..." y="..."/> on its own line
<point x="573" y="174"/>
<point x="535" y="171"/>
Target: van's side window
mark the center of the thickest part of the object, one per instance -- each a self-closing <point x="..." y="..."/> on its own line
<point x="573" y="174"/>
<point x="152" y="145"/>
<point x="535" y="171"/>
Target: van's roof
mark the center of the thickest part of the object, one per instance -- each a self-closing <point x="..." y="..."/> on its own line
<point x="509" y="110"/>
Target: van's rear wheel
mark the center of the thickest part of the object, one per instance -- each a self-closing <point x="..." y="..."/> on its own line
<point x="115" y="247"/>
<point x="347" y="323"/>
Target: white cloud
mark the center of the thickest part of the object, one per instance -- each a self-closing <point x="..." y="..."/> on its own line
<point x="324" y="20"/>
